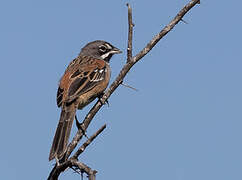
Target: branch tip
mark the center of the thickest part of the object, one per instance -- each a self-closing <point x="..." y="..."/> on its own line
<point x="184" y="21"/>
<point x="130" y="34"/>
<point x="128" y="86"/>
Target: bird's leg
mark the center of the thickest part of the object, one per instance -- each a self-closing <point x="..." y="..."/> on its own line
<point x="79" y="126"/>
<point x="99" y="98"/>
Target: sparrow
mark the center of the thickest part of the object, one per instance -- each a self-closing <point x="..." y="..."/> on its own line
<point x="85" y="79"/>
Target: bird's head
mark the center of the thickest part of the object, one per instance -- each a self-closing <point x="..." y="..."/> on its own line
<point x="100" y="49"/>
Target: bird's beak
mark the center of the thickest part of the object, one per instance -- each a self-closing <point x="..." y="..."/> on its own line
<point x="116" y="51"/>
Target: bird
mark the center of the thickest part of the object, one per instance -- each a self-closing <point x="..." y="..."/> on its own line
<point x="85" y="79"/>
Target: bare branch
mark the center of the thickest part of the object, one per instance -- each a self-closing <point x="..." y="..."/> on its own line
<point x="130" y="34"/>
<point x="83" y="147"/>
<point x="84" y="168"/>
<point x="72" y="162"/>
<point x="54" y="174"/>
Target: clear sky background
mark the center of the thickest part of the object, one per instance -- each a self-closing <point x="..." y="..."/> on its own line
<point x="185" y="121"/>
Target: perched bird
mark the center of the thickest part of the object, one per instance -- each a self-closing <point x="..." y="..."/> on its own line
<point x="85" y="79"/>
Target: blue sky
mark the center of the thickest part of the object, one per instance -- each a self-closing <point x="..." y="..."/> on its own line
<point x="185" y="121"/>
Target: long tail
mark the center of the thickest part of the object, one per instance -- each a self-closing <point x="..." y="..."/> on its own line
<point x="62" y="133"/>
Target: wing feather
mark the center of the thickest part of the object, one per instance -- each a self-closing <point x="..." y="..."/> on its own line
<point x="80" y="77"/>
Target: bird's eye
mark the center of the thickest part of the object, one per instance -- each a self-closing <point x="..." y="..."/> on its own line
<point x="103" y="48"/>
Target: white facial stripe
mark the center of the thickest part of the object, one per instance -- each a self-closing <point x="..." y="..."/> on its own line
<point x="106" y="55"/>
<point x="108" y="46"/>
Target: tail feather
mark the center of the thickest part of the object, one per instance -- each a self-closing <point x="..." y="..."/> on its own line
<point x="62" y="133"/>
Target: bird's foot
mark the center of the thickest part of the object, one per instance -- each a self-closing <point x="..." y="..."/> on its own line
<point x="100" y="97"/>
